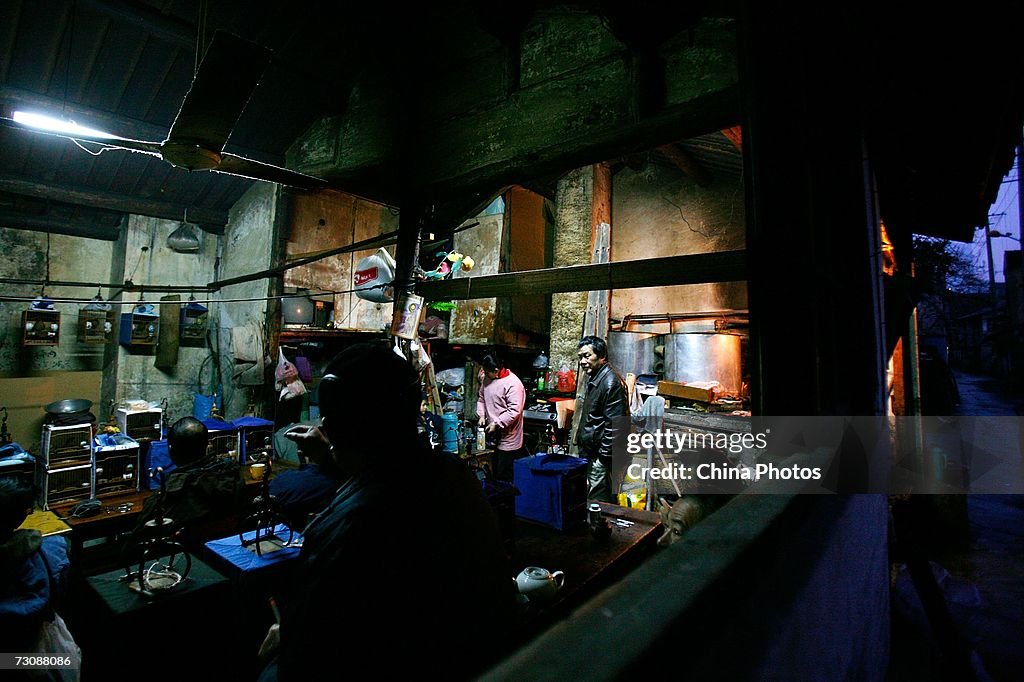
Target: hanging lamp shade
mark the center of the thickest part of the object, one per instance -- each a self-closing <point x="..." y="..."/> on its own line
<point x="184" y="239"/>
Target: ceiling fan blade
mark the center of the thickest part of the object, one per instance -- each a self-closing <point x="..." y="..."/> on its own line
<point x="247" y="168"/>
<point x="223" y="85"/>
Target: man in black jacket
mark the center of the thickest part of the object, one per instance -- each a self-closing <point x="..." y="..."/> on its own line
<point x="604" y="418"/>
<point x="203" y="493"/>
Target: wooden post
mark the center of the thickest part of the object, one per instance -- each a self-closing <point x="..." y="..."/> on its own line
<point x="167" y="346"/>
<point x="813" y="235"/>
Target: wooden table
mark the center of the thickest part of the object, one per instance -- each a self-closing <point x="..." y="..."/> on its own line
<point x="589" y="565"/>
<point x="117" y="515"/>
<point x="168" y="636"/>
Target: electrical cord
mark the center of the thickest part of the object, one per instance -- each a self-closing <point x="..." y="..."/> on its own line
<point x="210" y="300"/>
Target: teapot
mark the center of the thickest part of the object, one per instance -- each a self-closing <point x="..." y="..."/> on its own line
<point x="538" y="583"/>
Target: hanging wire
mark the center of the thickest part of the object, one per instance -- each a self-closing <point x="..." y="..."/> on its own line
<point x="103" y="148"/>
<point x="200" y="35"/>
<point x="142" y="252"/>
<point x="46" y="280"/>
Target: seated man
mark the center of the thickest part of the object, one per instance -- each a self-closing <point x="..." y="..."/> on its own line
<point x="304" y="492"/>
<point x="408" y="551"/>
<point x="201" y="488"/>
<point x="286" y="449"/>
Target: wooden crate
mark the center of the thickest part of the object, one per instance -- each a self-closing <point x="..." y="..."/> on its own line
<point x="674" y="389"/>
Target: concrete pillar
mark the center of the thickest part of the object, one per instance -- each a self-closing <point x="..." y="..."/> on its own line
<point x="573" y="203"/>
<point x="112" y="351"/>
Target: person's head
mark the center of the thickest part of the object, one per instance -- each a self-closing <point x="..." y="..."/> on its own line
<point x="492" y="364"/>
<point x="369" y="398"/>
<point x="16" y="502"/>
<point x="187" y="441"/>
<point x="424" y="404"/>
<point x="592" y="352"/>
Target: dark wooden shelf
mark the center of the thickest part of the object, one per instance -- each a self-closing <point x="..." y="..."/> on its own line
<point x="303" y="333"/>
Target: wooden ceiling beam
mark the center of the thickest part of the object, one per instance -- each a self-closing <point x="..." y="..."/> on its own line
<point x="700" y="268"/>
<point x="75" y="227"/>
<point x="183" y="34"/>
<point x="163" y="26"/>
<point x="210" y="220"/>
<point x="686" y="162"/>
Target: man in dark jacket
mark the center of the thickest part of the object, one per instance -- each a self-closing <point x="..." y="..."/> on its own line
<point x="391" y="575"/>
<point x="604" y="418"/>
<point x="203" y="493"/>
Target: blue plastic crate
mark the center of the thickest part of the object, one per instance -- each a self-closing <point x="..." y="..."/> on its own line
<point x="552" y="490"/>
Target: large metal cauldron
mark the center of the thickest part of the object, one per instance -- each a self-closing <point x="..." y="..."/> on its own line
<point x="69" y="406"/>
<point x="704" y="357"/>
<point x="633" y="351"/>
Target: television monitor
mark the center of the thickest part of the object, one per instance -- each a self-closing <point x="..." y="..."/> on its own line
<point x="297" y="310"/>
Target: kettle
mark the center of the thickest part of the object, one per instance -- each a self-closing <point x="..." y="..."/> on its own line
<point x="539" y="584"/>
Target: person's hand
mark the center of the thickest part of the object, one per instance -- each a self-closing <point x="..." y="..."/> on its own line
<point x="491" y="428"/>
<point x="270" y="643"/>
<point x="312" y="442"/>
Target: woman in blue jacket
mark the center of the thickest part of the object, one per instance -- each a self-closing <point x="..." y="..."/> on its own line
<point x="33" y="572"/>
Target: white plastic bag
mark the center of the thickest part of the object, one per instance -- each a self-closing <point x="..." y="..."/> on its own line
<point x="373" y="277"/>
<point x="286" y="371"/>
<point x="287" y="376"/>
<point x="56" y="640"/>
<point x="456" y="376"/>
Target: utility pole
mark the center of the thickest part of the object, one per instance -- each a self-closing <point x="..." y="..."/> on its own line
<point x="1015" y="352"/>
<point x="991" y="270"/>
<point x="1020" y="188"/>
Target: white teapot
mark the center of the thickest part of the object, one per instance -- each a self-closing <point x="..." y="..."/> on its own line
<point x="539" y="584"/>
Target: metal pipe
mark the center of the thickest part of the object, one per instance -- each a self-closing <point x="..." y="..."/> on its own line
<point x="385" y="239"/>
<point x="126" y="286"/>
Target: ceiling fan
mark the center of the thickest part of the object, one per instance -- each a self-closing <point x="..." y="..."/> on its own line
<point x="222" y="86"/>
